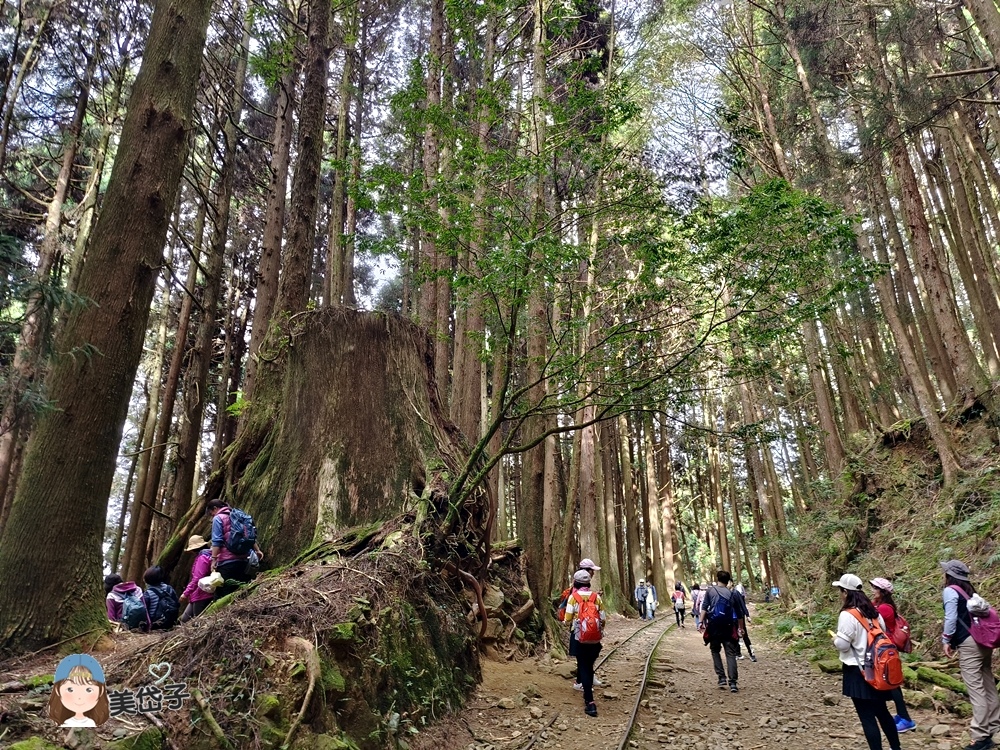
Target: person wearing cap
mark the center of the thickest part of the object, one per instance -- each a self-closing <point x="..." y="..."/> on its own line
<point x="851" y="641"/>
<point x="591" y="567"/>
<point x="194" y="600"/>
<point x="586" y="653"/>
<point x="79" y="697"/>
<point x="975" y="662"/>
<point x="640" y="597"/>
<point x="886" y="606"/>
<point x="588" y="565"/>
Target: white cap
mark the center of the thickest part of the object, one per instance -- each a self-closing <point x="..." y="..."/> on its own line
<point x="849" y="582"/>
<point x="588" y="564"/>
<point x="581" y="576"/>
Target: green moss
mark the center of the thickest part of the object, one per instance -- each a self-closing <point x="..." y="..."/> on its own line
<point x="267" y="706"/>
<point x="332" y="678"/>
<point x="941" y="679"/>
<point x="343" y="632"/>
<point x="148" y="739"/>
<point x="963" y="709"/>
<point x="39" y="679"/>
<point x="35" y="743"/>
<point x="272" y="735"/>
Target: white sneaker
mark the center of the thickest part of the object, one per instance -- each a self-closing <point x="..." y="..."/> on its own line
<point x="578" y="686"/>
<point x="597" y="683"/>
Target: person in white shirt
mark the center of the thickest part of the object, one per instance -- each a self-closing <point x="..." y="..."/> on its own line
<point x="851" y="641"/>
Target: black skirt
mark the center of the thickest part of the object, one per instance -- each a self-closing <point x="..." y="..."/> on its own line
<point x="856" y="686"/>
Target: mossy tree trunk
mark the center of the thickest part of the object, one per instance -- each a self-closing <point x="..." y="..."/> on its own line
<point x="345" y="429"/>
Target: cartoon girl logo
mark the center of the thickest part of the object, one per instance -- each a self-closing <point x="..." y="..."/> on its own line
<point x="79" y="697"/>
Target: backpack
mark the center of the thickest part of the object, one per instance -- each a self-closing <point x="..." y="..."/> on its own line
<point x="241" y="536"/>
<point x="589" y="616"/>
<point x="985" y="627"/>
<point x="561" y="607"/>
<point x="722" y="617"/>
<point x="882" y="667"/>
<point x="901" y="635"/>
<point x="134" y="615"/>
<point x="679" y="599"/>
<point x="167" y="606"/>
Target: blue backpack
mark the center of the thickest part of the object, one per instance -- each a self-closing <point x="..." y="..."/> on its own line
<point x="242" y="536"/>
<point x="722" y="615"/>
<point x="134" y="615"/>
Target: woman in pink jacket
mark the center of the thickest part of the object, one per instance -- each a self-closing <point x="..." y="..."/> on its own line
<point x="196" y="599"/>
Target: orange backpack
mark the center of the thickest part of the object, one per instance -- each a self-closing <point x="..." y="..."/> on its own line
<point x="588" y="614"/>
<point x="561" y="608"/>
<point x="882" y="668"/>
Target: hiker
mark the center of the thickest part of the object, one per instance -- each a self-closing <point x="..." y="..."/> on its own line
<point x="194" y="599"/>
<point x="680" y="603"/>
<point x="652" y="602"/>
<point x="975" y="662"/>
<point x="161" y="600"/>
<point x="724" y="615"/>
<point x="125" y="603"/>
<point x="696" y="605"/>
<point x="640" y="597"/>
<point x="851" y="641"/>
<point x="588" y="565"/>
<point x="886" y="606"/>
<point x="231" y="557"/>
<point x="585" y="611"/>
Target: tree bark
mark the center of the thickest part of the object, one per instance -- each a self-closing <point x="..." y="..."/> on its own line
<point x="78" y="442"/>
<point x="274" y="222"/>
<point x="296" y="275"/>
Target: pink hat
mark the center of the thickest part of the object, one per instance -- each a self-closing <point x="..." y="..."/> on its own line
<point x="588" y="564"/>
<point x="882" y="583"/>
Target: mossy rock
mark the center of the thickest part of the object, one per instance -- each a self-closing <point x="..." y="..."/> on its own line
<point x="323" y="742"/>
<point x="35" y="743"/>
<point x="917" y="699"/>
<point x="830" y="666"/>
<point x="148" y="739"/>
<point x="268" y="707"/>
<point x="272" y="735"/>
<point x="38" y="680"/>
<point x="910" y="675"/>
<point x="963" y="709"/>
<point x="333" y="679"/>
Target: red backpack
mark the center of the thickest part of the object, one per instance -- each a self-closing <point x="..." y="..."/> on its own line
<point x="901" y="635"/>
<point x="882" y="668"/>
<point x="589" y="616"/>
<point x="561" y="608"/>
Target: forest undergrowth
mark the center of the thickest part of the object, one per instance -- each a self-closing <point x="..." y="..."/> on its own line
<point x="898" y="522"/>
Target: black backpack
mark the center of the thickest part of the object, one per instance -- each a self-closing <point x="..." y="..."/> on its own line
<point x="167" y="606"/>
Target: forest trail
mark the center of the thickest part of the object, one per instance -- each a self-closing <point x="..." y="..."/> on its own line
<point x="784" y="701"/>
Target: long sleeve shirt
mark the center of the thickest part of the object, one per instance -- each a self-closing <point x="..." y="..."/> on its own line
<point x="202" y="567"/>
<point x="851" y="640"/>
<point x="956" y="618"/>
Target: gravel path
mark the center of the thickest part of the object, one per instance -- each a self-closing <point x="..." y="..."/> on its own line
<point x="784" y="702"/>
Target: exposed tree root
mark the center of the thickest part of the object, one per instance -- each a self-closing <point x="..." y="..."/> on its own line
<point x="206" y="713"/>
<point x="313" y="670"/>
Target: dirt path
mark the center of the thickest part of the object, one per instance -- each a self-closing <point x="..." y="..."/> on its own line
<point x="784" y="702"/>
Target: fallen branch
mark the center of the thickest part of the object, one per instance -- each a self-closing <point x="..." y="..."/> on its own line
<point x="313" y="670"/>
<point x="206" y="713"/>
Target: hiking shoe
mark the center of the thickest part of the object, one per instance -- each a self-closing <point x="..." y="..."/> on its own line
<point x="753" y="658"/>
<point x="905" y="725"/>
<point x="733" y="688"/>
<point x="741" y="657"/>
<point x="722" y="684"/>
<point x="984" y="744"/>
<point x="597" y="683"/>
<point x="590" y="709"/>
<point x="578" y="686"/>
